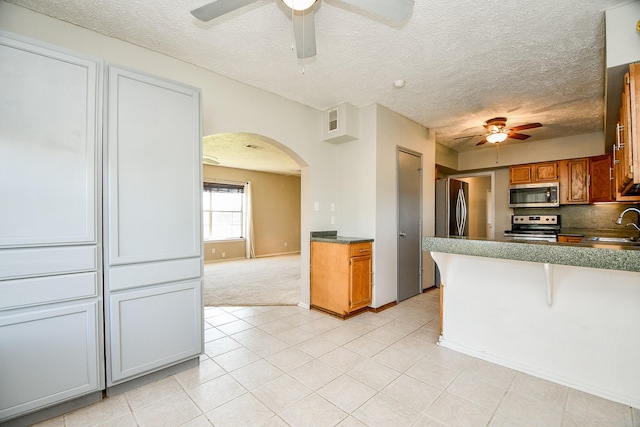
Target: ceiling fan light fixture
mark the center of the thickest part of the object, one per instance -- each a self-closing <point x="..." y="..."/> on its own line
<point x="496" y="137"/>
<point x="299" y="4"/>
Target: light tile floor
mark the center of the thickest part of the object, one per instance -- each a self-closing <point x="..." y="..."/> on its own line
<point x="287" y="366"/>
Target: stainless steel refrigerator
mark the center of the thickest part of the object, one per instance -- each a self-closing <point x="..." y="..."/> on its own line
<point x="452" y="211"/>
<point x="452" y="208"/>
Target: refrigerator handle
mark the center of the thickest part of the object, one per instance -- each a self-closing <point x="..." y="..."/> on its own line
<point x="461" y="212"/>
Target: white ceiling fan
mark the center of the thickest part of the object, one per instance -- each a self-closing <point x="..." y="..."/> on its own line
<point x="303" y="20"/>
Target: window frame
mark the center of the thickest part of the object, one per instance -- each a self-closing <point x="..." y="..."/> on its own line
<point x="232" y="187"/>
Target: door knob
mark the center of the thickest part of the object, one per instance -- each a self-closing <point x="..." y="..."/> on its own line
<point x="403" y="234"/>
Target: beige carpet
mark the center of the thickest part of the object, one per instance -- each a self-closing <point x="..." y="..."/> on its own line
<point x="258" y="281"/>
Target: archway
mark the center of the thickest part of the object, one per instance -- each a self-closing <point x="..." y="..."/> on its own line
<point x="275" y="173"/>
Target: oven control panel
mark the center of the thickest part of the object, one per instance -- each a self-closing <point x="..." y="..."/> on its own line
<point x="536" y="219"/>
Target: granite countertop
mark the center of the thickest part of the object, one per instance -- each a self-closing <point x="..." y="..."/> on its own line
<point x="332" y="237"/>
<point x="595" y="255"/>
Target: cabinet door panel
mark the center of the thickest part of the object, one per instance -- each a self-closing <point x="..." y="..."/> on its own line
<point x="360" y="282"/>
<point x="154" y="169"/>
<point x="578" y="172"/>
<point x="153" y="328"/>
<point x="544" y="172"/>
<point x="48" y="356"/>
<point x="520" y="174"/>
<point x="602" y="187"/>
<point x="49" y="114"/>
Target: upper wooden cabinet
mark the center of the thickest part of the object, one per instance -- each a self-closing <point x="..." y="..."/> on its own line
<point x="533" y="172"/>
<point x="601" y="187"/>
<point x="627" y="183"/>
<point x="574" y="181"/>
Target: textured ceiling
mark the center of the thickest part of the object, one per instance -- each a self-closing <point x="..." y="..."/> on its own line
<point x="463" y="61"/>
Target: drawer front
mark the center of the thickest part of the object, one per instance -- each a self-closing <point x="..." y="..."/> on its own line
<point x="360" y="249"/>
<point x="31" y="262"/>
<point x="44" y="290"/>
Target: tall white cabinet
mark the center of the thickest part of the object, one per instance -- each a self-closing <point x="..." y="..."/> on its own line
<point x="152" y="211"/>
<point x="100" y="239"/>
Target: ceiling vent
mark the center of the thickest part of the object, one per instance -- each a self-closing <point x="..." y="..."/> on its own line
<point x="341" y="124"/>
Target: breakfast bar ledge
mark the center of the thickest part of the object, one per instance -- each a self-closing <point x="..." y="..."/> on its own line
<point x="565" y="313"/>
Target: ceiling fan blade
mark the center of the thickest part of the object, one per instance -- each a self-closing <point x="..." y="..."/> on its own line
<point x="304" y="29"/>
<point x="484" y="141"/>
<point x="525" y="127"/>
<point x="218" y="8"/>
<point x="520" y="136"/>
<point x="397" y="10"/>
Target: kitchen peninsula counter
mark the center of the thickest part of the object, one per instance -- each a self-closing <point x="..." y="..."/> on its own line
<point x="564" y="312"/>
<point x="332" y="237"/>
<point x="589" y="254"/>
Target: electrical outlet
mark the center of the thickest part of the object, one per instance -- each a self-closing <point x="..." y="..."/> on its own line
<point x="213" y="250"/>
<point x="333" y="220"/>
<point x="223" y="254"/>
<point x="285" y="244"/>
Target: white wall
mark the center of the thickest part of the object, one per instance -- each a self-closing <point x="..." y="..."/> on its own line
<point x="392" y="131"/>
<point x="478" y="199"/>
<point x="228" y="106"/>
<point x="446" y="157"/>
<point x="359" y="176"/>
<point x="570" y="147"/>
<point x="623" y="42"/>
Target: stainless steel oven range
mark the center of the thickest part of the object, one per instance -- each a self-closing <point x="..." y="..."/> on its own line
<point x="534" y="227"/>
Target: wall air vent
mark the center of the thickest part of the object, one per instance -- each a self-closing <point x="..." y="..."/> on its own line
<point x="341" y="124"/>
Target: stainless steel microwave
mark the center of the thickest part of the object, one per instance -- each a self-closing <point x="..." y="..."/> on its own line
<point x="538" y="195"/>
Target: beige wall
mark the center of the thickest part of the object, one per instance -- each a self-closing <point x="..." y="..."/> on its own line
<point x="276" y="213"/>
<point x="478" y="199"/>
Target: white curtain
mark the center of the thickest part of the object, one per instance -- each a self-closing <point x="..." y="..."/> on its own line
<point x="248" y="221"/>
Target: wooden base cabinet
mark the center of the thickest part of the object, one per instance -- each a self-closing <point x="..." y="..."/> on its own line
<point x="341" y="277"/>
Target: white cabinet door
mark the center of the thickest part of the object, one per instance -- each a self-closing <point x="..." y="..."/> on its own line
<point x="49" y="116"/>
<point x="153" y="238"/>
<point x="154" y="169"/>
<point x="48" y="356"/>
<point x="153" y="327"/>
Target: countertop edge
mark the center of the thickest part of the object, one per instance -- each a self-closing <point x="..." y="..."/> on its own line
<point x="608" y="257"/>
<point x="342" y="240"/>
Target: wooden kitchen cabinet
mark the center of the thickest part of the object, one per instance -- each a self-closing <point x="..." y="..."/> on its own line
<point x="626" y="150"/>
<point x="341" y="277"/>
<point x="574" y="181"/>
<point x="533" y="172"/>
<point x="601" y="187"/>
<point x="545" y="172"/>
<point x="520" y="174"/>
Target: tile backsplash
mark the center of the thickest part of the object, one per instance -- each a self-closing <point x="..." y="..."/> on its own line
<point x="600" y="217"/>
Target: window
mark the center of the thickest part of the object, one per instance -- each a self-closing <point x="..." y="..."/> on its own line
<point x="223" y="211"/>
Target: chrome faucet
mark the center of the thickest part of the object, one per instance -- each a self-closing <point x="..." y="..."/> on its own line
<point x="619" y="220"/>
